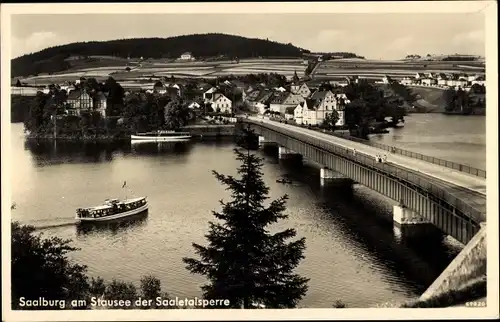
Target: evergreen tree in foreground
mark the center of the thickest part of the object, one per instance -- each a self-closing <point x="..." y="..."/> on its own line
<point x="243" y="261"/>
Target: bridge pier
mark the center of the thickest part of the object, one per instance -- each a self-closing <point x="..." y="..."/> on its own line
<point x="262" y="140"/>
<point x="405" y="216"/>
<point x="267" y="145"/>
<point x="287" y="154"/>
<point x="409" y="226"/>
<point x="328" y="176"/>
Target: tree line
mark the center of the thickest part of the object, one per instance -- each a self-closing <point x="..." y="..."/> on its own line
<point x="367" y="105"/>
<point x="53" y="59"/>
<point x="242" y="260"/>
<point x="464" y="102"/>
<point x="137" y="112"/>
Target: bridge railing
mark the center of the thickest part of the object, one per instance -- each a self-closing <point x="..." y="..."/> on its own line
<point x="444" y="163"/>
<point x="395" y="171"/>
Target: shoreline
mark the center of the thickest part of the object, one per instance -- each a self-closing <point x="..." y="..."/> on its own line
<point x="50" y="137"/>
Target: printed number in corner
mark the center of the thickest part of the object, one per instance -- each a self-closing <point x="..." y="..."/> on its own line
<point x="476" y="304"/>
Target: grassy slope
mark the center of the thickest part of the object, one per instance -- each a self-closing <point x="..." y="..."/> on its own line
<point x="429" y="98"/>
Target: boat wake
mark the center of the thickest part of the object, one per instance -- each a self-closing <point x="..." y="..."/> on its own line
<point x="44" y="225"/>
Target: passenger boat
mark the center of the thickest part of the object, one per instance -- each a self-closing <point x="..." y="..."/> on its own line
<point x="161" y="136"/>
<point x="112" y="209"/>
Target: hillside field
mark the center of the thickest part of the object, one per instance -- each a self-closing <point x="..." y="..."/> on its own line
<point x="160" y="68"/>
<point x="376" y="69"/>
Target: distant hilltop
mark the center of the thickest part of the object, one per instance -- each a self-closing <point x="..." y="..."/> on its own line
<point x="212" y="46"/>
<point x="453" y="57"/>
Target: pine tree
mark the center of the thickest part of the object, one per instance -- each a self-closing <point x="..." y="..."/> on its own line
<point x="244" y="262"/>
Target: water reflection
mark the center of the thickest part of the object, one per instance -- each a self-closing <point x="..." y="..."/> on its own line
<point x="113" y="227"/>
<point x="366" y="221"/>
<point x="156" y="148"/>
<point x="51" y="152"/>
<point x="351" y="251"/>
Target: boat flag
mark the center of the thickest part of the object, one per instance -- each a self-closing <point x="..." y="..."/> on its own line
<point x="124" y="184"/>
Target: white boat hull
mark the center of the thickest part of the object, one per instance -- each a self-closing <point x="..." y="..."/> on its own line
<point x="114" y="217"/>
<point x="139" y="138"/>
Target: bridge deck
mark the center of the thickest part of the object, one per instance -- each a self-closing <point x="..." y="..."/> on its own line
<point x="462" y="185"/>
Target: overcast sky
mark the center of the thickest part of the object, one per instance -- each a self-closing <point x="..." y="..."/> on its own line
<point x="385" y="36"/>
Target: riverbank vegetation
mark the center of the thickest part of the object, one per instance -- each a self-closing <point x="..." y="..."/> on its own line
<point x="369" y="106"/>
<point x="243" y="261"/>
<point x="420" y="99"/>
<point x="41" y="268"/>
<point x="49" y="115"/>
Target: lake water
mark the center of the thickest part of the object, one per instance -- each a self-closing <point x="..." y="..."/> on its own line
<point x="353" y="251"/>
<point x="456" y="138"/>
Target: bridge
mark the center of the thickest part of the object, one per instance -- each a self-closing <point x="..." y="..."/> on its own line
<point x="448" y="195"/>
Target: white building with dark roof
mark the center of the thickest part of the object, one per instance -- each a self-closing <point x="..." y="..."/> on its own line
<point x="186" y="56"/>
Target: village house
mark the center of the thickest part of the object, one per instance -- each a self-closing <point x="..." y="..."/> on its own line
<point x="428" y="81"/>
<point x="290" y="113"/>
<point x="208" y="94"/>
<point x="407" y="81"/>
<point x="251" y="99"/>
<point x="471" y="78"/>
<point x="221" y="103"/>
<point x="302" y="90"/>
<point x="314" y="110"/>
<point x="340" y="83"/>
<point x="203" y="87"/>
<point x="258" y="100"/>
<point x="239" y="85"/>
<point x="261" y="108"/>
<point x="174" y="87"/>
<point x="480" y="80"/>
<point x="100" y="103"/>
<point x="78" y="101"/>
<point x="462" y="81"/>
<point x="264" y="101"/>
<point x="341" y="102"/>
<point x="442" y="79"/>
<point x="186" y="56"/>
<point x="159" y="88"/>
<point x="172" y="91"/>
<point x="194" y="105"/>
<point x="282" y="100"/>
<point x="419" y="76"/>
<point x="457" y="81"/>
<point x="352" y="79"/>
<point x="325" y="101"/>
<point x="310" y="114"/>
<point x="300" y="113"/>
<point x="386" y="79"/>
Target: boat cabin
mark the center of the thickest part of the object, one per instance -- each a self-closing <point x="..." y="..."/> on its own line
<point x="110" y="207"/>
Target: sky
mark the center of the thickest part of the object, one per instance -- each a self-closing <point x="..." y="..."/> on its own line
<point x="373" y="35"/>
